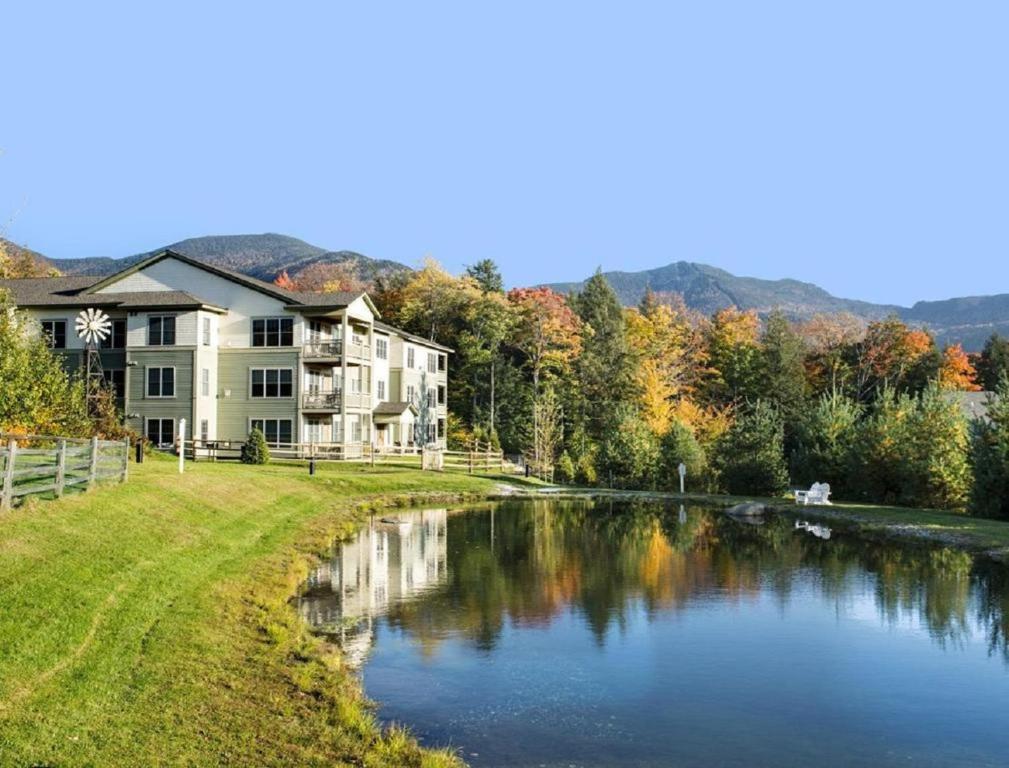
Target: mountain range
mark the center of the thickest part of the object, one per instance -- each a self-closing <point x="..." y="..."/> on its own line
<point x="968" y="320"/>
<point x="264" y="256"/>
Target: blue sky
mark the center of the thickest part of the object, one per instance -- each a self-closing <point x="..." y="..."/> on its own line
<point x="861" y="146"/>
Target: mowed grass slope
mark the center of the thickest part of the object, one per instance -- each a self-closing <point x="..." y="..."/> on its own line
<point x="149" y="624"/>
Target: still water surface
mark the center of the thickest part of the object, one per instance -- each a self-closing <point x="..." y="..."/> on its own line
<point x="576" y="634"/>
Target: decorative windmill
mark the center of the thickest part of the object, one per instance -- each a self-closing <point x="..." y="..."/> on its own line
<point x="93" y="326"/>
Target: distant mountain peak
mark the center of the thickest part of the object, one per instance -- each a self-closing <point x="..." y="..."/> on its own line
<point x="264" y="256"/>
<point x="708" y="289"/>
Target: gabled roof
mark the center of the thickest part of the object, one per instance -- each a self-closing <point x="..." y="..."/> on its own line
<point x="412" y="337"/>
<point x="37" y="292"/>
<point x="47" y="291"/>
<point x="394" y="409"/>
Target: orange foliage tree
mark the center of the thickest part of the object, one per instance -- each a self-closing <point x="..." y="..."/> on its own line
<point x="957" y="372"/>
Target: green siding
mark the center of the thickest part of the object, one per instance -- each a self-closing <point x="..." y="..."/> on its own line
<point x="178" y="407"/>
<point x="234" y="411"/>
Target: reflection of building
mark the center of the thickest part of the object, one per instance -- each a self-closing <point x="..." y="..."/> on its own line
<point x="390" y="561"/>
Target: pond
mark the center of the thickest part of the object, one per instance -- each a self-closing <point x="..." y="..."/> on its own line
<point x="554" y="633"/>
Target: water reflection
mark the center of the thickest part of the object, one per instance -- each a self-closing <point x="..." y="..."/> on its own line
<point x="434" y="576"/>
<point x="560" y="633"/>
<point x="390" y="560"/>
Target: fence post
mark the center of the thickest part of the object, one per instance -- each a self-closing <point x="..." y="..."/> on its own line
<point x="126" y="461"/>
<point x="7" y="492"/>
<point x="61" y="468"/>
<point x="471" y="462"/>
<point x="93" y="469"/>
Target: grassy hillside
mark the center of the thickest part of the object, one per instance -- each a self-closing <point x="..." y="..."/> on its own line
<point x="149" y="623"/>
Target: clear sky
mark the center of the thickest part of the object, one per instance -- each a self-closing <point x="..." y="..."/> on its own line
<point x="858" y="145"/>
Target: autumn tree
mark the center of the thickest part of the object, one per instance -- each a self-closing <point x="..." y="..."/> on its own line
<point x="325" y="277"/>
<point x="37" y="395"/>
<point x="956" y="372"/>
<point x="548" y="336"/>
<point x="893" y="355"/>
<point x="667" y="352"/>
<point x="827" y="339"/>
<point x="18" y="262"/>
<point x="734" y="357"/>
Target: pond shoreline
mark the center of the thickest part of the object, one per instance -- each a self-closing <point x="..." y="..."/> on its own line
<point x="979" y="536"/>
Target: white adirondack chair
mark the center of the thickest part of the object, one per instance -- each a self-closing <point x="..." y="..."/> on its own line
<point x="818" y="493"/>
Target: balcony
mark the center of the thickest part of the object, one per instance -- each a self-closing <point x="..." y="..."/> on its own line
<point x="323" y="350"/>
<point x="358" y="350"/>
<point x="359" y="400"/>
<point x="321" y="401"/>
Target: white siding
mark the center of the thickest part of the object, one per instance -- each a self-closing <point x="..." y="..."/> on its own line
<point x="234" y="328"/>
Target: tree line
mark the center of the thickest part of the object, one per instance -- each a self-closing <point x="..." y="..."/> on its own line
<point x="591" y="392"/>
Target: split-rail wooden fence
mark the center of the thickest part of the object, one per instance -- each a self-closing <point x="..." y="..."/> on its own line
<point x="36" y="464"/>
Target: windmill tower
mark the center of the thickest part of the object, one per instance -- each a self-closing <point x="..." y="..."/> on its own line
<point x="93" y="326"/>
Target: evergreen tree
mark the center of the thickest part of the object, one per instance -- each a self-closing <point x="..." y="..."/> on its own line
<point x="750" y="457"/>
<point x="993" y="364"/>
<point x="255" y="450"/>
<point x="784" y="373"/>
<point x="603" y="369"/>
<point x="990" y="457"/>
<point x="487" y="275"/>
<point x="827" y="440"/>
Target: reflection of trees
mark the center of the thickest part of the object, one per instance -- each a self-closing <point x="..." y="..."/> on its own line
<point x="605" y="560"/>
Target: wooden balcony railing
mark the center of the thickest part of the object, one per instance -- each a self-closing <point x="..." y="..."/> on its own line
<point x="323" y="349"/>
<point x="329" y="401"/>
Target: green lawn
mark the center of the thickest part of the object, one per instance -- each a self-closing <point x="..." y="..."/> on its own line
<point x="148" y="623"/>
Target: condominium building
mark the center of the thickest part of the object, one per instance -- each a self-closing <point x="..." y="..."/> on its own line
<point x="228" y="353"/>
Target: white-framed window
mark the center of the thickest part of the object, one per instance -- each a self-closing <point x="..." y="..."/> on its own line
<point x="206" y="331"/>
<point x="441" y="394"/>
<point x="161" y="382"/>
<point x="381" y="348"/>
<point x="160" y="431"/>
<point x="442" y="362"/>
<point x="441" y="427"/>
<point x="161" y="330"/>
<point x="432" y="362"/>
<point x="410" y="357"/>
<point x="204" y="430"/>
<point x="271" y="382"/>
<point x="117" y="335"/>
<point x="380" y="389"/>
<point x="55" y="332"/>
<point x="432" y="397"/>
<point x="275" y="430"/>
<point x="205" y="382"/>
<point x="273" y="332"/>
<point x="313" y="430"/>
<point x="411" y="393"/>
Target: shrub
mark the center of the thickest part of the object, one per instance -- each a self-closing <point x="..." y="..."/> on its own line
<point x="565" y="468"/>
<point x="255" y="450"/>
<point x="750" y="457"/>
<point x="630" y="452"/>
<point x="679" y="445"/>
